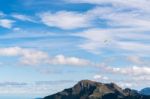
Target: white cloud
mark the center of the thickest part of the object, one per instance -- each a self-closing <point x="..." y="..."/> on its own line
<point x="101" y="78"/>
<point x="65" y="19"/>
<point x="61" y="59"/>
<point x="6" y="23"/>
<point x="33" y="57"/>
<point x="135" y="70"/>
<point x="14" y="51"/>
<point x="27" y="56"/>
<point x="129" y="70"/>
<point x="36" y="57"/>
<point x="127" y="84"/>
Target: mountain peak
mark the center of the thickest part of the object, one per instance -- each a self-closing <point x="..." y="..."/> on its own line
<point x="84" y="82"/>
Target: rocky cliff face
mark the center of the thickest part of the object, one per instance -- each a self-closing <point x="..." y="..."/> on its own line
<point x="87" y="89"/>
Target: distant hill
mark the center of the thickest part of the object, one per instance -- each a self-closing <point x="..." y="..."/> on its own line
<point x="87" y="89"/>
<point x="145" y="91"/>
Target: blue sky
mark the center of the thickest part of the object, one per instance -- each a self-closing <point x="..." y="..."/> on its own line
<point x="46" y="46"/>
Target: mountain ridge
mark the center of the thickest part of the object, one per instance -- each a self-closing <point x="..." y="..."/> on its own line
<point x="145" y="91"/>
<point x="87" y="89"/>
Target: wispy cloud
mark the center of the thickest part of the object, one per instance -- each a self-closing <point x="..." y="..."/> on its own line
<point x="126" y="26"/>
<point x="65" y="19"/>
<point x="125" y="35"/>
<point x="23" y="17"/>
<point x="114" y="40"/>
<point x="135" y="59"/>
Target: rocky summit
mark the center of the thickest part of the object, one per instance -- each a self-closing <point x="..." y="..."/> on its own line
<point x="87" y="89"/>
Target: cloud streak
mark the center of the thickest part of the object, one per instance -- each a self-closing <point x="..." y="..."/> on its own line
<point x="23" y="17"/>
<point x="32" y="88"/>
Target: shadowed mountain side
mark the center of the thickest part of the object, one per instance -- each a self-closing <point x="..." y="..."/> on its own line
<point x="87" y="89"/>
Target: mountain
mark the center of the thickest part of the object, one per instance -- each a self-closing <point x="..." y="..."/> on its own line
<point x="87" y="89"/>
<point x="145" y="91"/>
